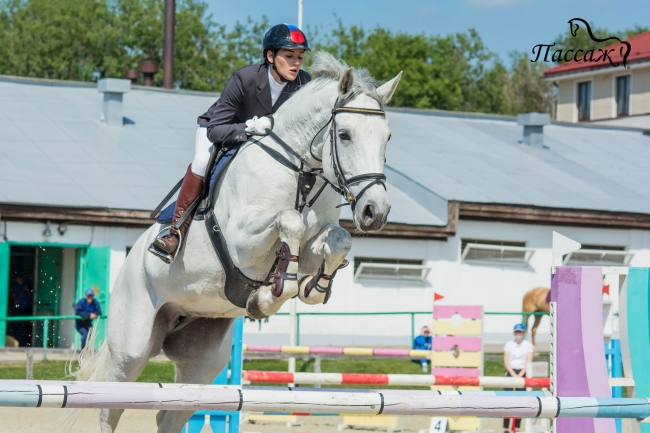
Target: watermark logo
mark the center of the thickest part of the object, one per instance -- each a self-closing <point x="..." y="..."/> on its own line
<point x="589" y="56"/>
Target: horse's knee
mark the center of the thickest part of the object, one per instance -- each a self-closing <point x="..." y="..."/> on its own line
<point x="290" y="225"/>
<point x="339" y="242"/>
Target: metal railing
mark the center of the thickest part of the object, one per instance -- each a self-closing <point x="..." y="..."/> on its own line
<point x="395" y="313"/>
<point x="46" y="322"/>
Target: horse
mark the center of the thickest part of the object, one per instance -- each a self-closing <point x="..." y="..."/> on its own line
<point x="535" y="300"/>
<point x="182" y="308"/>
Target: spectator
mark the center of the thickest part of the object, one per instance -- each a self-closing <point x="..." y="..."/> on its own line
<point x="517" y="354"/>
<point x="88" y="308"/>
<point x="423" y="342"/>
<point x="21" y="305"/>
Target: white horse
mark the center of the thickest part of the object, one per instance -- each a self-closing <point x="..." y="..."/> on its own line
<point x="181" y="308"/>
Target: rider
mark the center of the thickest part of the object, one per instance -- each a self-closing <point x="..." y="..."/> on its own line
<point x="251" y="94"/>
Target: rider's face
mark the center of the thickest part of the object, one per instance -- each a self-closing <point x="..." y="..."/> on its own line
<point x="288" y="62"/>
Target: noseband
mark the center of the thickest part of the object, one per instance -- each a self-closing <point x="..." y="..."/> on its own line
<point x="345" y="183"/>
<point x="307" y="173"/>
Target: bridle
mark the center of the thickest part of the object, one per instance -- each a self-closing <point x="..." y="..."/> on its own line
<point x="307" y="173"/>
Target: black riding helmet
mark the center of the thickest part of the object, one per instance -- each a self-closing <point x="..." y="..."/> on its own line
<point x="283" y="36"/>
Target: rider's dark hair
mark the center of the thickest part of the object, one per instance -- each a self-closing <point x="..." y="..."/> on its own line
<point x="266" y="60"/>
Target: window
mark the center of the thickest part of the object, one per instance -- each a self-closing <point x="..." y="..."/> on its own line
<point x="598" y="255"/>
<point x="584" y="101"/>
<point x="623" y="96"/>
<point x="495" y="252"/>
<point x="375" y="268"/>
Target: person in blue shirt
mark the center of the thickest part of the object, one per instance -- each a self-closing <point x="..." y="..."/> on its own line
<point x="423" y="342"/>
<point x="88" y="308"/>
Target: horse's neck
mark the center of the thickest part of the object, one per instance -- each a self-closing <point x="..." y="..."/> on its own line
<point x="299" y="119"/>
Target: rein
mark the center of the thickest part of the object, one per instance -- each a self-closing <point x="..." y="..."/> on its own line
<point x="307" y="173"/>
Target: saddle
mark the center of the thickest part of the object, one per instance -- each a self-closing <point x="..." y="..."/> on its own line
<point x="238" y="286"/>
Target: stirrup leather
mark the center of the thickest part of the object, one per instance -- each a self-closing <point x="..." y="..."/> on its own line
<point x="313" y="283"/>
<point x="159" y="252"/>
<point x="278" y="273"/>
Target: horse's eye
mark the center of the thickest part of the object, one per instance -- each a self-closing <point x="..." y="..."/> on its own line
<point x="343" y="135"/>
<point x="389" y="136"/>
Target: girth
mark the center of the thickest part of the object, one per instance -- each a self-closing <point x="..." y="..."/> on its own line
<point x="238" y="286"/>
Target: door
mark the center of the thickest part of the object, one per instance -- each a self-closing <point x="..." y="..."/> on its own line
<point x="4" y="289"/>
<point x="94" y="272"/>
<point x="47" y="293"/>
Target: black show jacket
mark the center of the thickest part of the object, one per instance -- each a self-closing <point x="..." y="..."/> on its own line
<point x="247" y="94"/>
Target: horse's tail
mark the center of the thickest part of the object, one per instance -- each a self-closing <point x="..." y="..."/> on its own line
<point x="94" y="365"/>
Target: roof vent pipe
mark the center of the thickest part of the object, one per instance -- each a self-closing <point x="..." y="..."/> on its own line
<point x="533" y="124"/>
<point x="113" y="89"/>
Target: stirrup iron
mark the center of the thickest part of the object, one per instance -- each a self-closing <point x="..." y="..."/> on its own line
<point x="162" y="254"/>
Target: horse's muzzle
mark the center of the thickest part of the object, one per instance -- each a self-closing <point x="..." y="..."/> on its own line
<point x="371" y="215"/>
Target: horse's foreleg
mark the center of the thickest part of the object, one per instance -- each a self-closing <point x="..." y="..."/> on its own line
<point x="200" y="351"/>
<point x="322" y="257"/>
<point x="135" y="334"/>
<point x="267" y="300"/>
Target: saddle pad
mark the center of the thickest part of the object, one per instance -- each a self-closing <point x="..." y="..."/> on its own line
<point x="167" y="215"/>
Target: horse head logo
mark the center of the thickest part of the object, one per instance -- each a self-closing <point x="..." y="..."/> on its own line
<point x="624" y="47"/>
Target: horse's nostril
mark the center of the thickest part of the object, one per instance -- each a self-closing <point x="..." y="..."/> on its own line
<point x="368" y="212"/>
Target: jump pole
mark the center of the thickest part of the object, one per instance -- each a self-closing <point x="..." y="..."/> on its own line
<point x="393" y="379"/>
<point x="364" y="403"/>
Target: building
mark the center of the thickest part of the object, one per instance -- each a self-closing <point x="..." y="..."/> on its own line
<point x="474" y="197"/>
<point x="599" y="92"/>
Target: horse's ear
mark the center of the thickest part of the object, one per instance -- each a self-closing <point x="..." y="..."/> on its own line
<point x="346" y="83"/>
<point x="387" y="89"/>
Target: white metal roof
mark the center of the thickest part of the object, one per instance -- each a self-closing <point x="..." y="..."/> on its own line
<point x="54" y="150"/>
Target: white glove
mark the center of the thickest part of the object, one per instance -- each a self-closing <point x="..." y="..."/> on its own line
<point x="258" y="125"/>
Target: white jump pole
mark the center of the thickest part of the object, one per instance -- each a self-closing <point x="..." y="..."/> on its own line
<point x="369" y="403"/>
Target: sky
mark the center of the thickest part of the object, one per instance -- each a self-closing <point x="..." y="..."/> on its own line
<point x="504" y="25"/>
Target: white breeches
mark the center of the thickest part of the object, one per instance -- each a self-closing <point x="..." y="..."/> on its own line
<point x="201" y="152"/>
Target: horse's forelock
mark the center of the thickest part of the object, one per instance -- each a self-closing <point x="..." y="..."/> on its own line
<point x="329" y="68"/>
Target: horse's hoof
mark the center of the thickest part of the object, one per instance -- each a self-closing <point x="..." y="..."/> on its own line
<point x="253" y="307"/>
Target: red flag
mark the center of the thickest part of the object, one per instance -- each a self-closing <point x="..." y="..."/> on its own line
<point x="437" y="297"/>
<point x="606" y="289"/>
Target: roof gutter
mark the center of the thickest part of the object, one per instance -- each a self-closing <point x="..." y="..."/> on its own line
<point x="597" y="70"/>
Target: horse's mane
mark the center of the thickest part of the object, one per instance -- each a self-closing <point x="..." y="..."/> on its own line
<point x="329" y="68"/>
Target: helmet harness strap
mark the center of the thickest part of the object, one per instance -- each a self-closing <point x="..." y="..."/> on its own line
<point x="284" y="80"/>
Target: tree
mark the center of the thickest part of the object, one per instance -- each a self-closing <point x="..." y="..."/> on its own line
<point x="89" y="39"/>
<point x="582" y="41"/>
<point x="527" y="90"/>
<point x="63" y="39"/>
<point x="449" y="73"/>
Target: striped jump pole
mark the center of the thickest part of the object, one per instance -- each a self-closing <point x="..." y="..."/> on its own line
<point x="365" y="403"/>
<point x="393" y="379"/>
<point x="343" y="351"/>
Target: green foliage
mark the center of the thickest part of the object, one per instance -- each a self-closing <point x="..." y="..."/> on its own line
<point x="582" y="41"/>
<point x="455" y="72"/>
<point x="527" y="90"/>
<point x="89" y="39"/>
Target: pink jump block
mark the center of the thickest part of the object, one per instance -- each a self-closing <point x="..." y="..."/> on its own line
<point x="467" y="312"/>
<point x="467" y="344"/>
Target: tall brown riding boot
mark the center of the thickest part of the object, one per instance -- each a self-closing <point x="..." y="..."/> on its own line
<point x="168" y="240"/>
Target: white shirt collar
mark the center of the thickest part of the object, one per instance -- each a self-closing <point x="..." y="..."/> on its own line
<point x="276" y="88"/>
